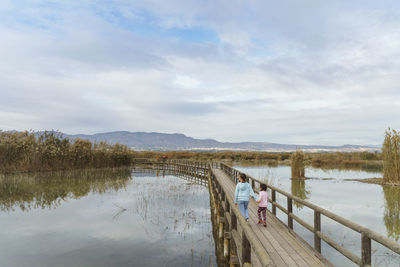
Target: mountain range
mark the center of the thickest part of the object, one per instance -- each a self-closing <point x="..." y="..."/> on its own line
<point x="177" y="141"/>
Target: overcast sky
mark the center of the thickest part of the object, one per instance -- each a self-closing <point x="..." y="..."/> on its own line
<point x="304" y="72"/>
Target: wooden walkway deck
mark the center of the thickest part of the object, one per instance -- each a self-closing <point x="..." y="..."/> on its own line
<point x="279" y="244"/>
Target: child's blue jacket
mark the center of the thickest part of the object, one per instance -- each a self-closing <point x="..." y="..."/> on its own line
<point x="243" y="192"/>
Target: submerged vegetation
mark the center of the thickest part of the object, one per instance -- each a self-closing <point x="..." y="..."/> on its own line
<point x="391" y="156"/>
<point x="49" y="151"/>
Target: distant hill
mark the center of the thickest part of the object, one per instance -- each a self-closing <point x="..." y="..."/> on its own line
<point x="177" y="141"/>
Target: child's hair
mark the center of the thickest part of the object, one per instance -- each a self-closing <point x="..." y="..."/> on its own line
<point x="242" y="176"/>
<point x="263" y="187"/>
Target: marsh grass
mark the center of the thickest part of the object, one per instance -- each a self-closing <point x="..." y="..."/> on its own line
<point x="50" y="151"/>
<point x="391" y="156"/>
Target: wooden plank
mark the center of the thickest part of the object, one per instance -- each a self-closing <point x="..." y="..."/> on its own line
<point x="283" y="248"/>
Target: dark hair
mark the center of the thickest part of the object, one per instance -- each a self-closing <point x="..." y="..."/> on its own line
<point x="263" y="187"/>
<point x="243" y="177"/>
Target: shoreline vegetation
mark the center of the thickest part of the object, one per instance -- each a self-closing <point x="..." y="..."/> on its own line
<point x="31" y="151"/>
<point x="48" y="151"/>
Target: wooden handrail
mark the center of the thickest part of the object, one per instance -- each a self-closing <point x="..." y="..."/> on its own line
<point x="366" y="234"/>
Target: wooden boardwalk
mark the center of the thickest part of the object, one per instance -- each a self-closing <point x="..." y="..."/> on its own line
<point x="245" y="243"/>
<point x="279" y="244"/>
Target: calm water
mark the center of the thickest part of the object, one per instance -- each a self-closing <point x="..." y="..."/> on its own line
<point x="104" y="218"/>
<point x="374" y="206"/>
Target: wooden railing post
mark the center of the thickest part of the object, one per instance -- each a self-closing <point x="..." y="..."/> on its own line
<point x="289" y="212"/>
<point x="273" y="200"/>
<point x="246" y="249"/>
<point x="253" y="185"/>
<point x="233" y="259"/>
<point x="233" y="221"/>
<point x="365" y="250"/>
<point x="317" y="228"/>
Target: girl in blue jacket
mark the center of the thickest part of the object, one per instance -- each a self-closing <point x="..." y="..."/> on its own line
<point x="242" y="195"/>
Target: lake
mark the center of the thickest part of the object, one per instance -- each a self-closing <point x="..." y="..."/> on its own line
<point x="373" y="206"/>
<point x="116" y="217"/>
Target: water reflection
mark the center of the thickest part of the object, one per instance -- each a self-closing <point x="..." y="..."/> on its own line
<point x="392" y="211"/>
<point x="298" y="189"/>
<point x="48" y="190"/>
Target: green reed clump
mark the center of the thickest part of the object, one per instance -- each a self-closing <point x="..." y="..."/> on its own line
<point x="298" y="164"/>
<point x="49" y="150"/>
<point x="391" y="156"/>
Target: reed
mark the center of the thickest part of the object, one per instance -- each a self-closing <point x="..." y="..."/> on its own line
<point x="50" y="151"/>
<point x="298" y="164"/>
<point x="391" y="156"/>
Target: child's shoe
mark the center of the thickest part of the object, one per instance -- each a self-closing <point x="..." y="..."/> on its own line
<point x="259" y="222"/>
<point x="265" y="223"/>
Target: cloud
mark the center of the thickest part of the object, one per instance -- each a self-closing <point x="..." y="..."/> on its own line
<point x="306" y="72"/>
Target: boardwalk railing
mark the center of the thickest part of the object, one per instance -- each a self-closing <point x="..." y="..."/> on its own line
<point x="197" y="169"/>
<point x="366" y="234"/>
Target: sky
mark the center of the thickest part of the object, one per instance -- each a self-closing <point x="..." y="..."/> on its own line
<point x="298" y="72"/>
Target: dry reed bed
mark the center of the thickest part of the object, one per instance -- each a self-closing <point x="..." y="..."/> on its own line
<point x="47" y="151"/>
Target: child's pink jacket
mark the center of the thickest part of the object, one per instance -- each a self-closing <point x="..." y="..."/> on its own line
<point x="263" y="196"/>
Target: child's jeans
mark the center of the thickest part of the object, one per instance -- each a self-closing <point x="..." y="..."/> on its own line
<point x="243" y="207"/>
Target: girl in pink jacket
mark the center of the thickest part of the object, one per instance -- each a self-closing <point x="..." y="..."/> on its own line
<point x="262" y="204"/>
